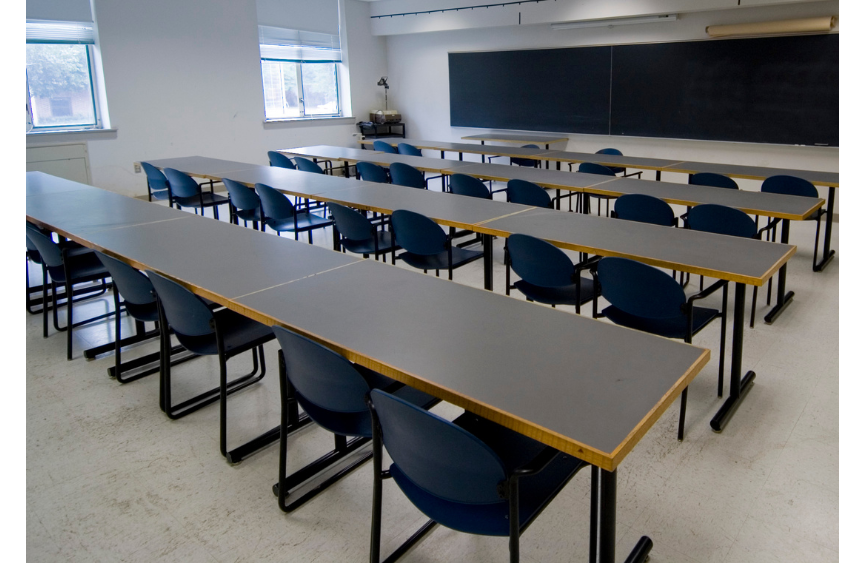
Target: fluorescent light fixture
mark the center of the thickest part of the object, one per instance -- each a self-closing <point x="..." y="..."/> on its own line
<point x="611" y="22"/>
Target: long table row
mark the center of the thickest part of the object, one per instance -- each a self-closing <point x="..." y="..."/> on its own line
<point x="575" y="398"/>
<point x="743" y="261"/>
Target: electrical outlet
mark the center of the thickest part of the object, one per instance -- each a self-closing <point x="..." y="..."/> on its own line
<point x="137" y="168"/>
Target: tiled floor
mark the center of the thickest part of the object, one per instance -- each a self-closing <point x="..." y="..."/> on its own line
<point x="110" y="478"/>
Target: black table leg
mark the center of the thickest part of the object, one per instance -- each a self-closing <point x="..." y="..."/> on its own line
<point x="346" y="169"/>
<point x="488" y="261"/>
<point x="547" y="162"/>
<point x="738" y="386"/>
<point x="782" y="298"/>
<point x="827" y="235"/>
<point x="603" y="515"/>
<point x="657" y="175"/>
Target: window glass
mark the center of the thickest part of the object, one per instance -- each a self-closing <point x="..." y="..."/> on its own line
<point x="320" y="93"/>
<point x="59" y="85"/>
<point x="280" y="88"/>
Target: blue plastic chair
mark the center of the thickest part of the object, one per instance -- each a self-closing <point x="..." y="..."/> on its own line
<point x="71" y="248"/>
<point x="140" y="303"/>
<point x="65" y="267"/>
<point x="617" y="170"/>
<point x="186" y="193"/>
<point x="308" y="166"/>
<point x="528" y="193"/>
<point x="646" y="299"/>
<point x="519" y="161"/>
<point x="408" y="149"/>
<point x="644" y="208"/>
<point x="384" y="147"/>
<point x="332" y="392"/>
<point x="721" y="219"/>
<point x="788" y="185"/>
<point x="547" y="274"/>
<point x="358" y="235"/>
<point x="244" y="204"/>
<point x="427" y="245"/>
<point x="470" y="474"/>
<point x="406" y="176"/>
<point x="712" y="180"/>
<point x="277" y="159"/>
<point x="281" y="216"/>
<point x="460" y="184"/>
<point x="372" y="172"/>
<point x="223" y="333"/>
<point x="596" y="169"/>
<point x="157" y="184"/>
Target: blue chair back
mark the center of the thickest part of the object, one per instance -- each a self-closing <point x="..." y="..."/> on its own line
<point x="384" y="147"/>
<point x="243" y="197"/>
<point x="538" y="262"/>
<point x="721" y="219"/>
<point x="134" y="286"/>
<point x="182" y="185"/>
<point x="350" y="223"/>
<point x="527" y="193"/>
<point x="408" y="149"/>
<point x="461" y="184"/>
<point x="417" y="233"/>
<point x="50" y="252"/>
<point x="438" y="456"/>
<point x="277" y="159"/>
<point x="371" y="172"/>
<point x="308" y="166"/>
<point x="525" y="162"/>
<point x="712" y="180"/>
<point x="596" y="169"/>
<point x="275" y="204"/>
<point x="644" y="208"/>
<point x="186" y="313"/>
<point x="612" y="151"/>
<point x="640" y="289"/>
<point x="407" y="176"/>
<point x="156" y="179"/>
<point x="324" y="377"/>
<point x="788" y="185"/>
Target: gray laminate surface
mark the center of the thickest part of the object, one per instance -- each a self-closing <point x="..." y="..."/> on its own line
<point x="713" y="255"/>
<point x="445" y="208"/>
<point x="201" y="167"/>
<point x="545" y="139"/>
<point x="767" y="204"/>
<point x="329" y="152"/>
<point x="471" y="148"/>
<point x="544" y="177"/>
<point x="290" y="181"/>
<point x="822" y="178"/>
<point x="609" y="160"/>
<point x="500" y="350"/>
<point x="39" y="183"/>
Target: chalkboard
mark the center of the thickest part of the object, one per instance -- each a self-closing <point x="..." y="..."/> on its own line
<point x="530" y="89"/>
<point x="765" y="90"/>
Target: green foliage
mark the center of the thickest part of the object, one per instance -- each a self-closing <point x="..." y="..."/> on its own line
<point x="57" y="69"/>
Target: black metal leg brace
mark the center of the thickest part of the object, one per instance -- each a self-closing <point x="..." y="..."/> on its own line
<point x="782" y="298"/>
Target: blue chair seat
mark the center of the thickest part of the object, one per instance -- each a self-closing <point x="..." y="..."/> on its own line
<point x="669" y="328"/>
<point x="557" y="295"/>
<point x="491" y="519"/>
<point x="209" y="199"/>
<point x="84" y="266"/>
<point x="306" y="221"/>
<point x="146" y="312"/>
<point x="251" y="215"/>
<point x="240" y="333"/>
<point x="160" y="195"/>
<point x="440" y="261"/>
<point x="367" y="246"/>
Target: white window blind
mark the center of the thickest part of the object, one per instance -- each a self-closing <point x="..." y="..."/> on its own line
<point x="298" y="45"/>
<point x="42" y="31"/>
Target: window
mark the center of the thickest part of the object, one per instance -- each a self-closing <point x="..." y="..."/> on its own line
<point x="60" y="85"/>
<point x="300" y="76"/>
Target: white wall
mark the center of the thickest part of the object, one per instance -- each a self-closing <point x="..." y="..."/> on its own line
<point x="418" y="64"/>
<point x="182" y="77"/>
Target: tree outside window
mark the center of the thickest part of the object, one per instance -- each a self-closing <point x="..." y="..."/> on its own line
<point x="59" y="85"/>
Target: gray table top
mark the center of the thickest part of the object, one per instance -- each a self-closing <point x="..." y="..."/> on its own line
<point x="609" y="160"/>
<point x="545" y="138"/>
<point x="544" y="177"/>
<point x="201" y="167"/>
<point x="766" y="204"/>
<point x="39" y="183"/>
<point x="499" y="361"/>
<point x="444" y="208"/>
<point x="822" y="178"/>
<point x="329" y="152"/>
<point x="740" y="260"/>
<point x="90" y="209"/>
<point x="290" y="181"/>
<point x="473" y="148"/>
<point x="427" y="164"/>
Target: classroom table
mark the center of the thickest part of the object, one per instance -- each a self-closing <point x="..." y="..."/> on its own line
<point x="743" y="261"/>
<point x="461" y="148"/>
<point x="565" y="400"/>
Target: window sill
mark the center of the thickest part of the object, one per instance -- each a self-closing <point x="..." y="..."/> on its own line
<point x="68" y="134"/>
<point x="303" y="121"/>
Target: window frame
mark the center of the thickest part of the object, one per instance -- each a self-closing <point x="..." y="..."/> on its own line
<point x="299" y="83"/>
<point x="93" y="93"/>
